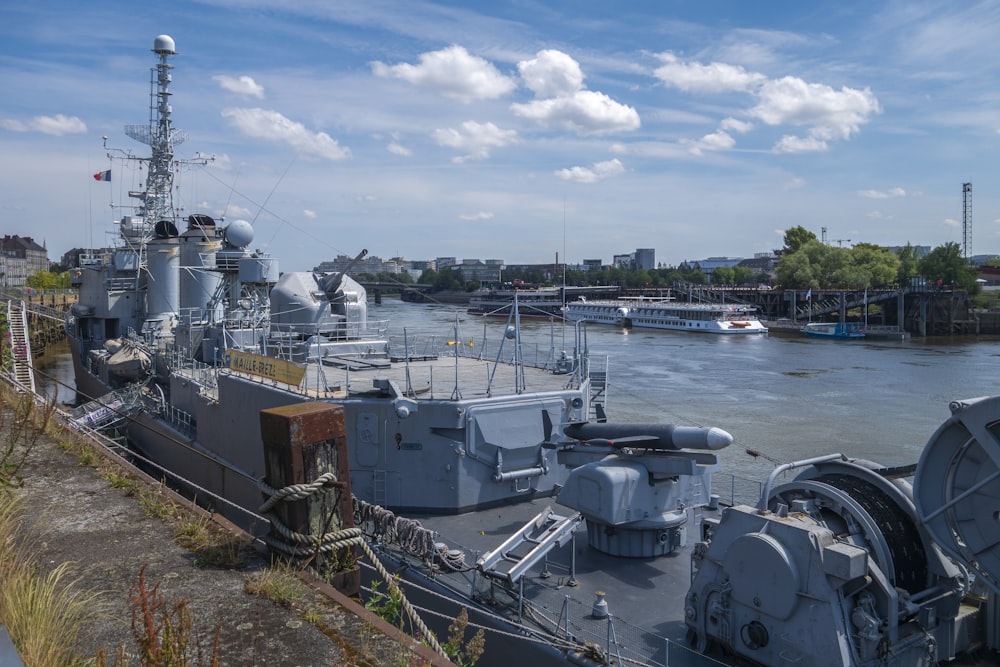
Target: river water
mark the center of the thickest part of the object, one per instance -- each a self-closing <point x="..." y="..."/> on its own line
<point x="784" y="396"/>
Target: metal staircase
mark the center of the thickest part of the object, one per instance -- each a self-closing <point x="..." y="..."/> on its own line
<point x="22" y="368"/>
<point x="598" y="395"/>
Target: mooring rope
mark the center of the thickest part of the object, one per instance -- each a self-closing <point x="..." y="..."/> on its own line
<point x="299" y="545"/>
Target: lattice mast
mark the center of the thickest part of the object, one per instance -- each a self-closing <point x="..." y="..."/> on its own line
<point x="967" y="220"/>
<point x="161" y="137"/>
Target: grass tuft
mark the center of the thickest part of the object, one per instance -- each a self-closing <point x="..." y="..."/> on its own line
<point x="279" y="584"/>
<point x="43" y="612"/>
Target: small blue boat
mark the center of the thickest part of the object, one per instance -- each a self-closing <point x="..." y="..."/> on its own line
<point x="834" y="330"/>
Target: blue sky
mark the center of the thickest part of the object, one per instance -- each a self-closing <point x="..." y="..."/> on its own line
<point x="515" y="130"/>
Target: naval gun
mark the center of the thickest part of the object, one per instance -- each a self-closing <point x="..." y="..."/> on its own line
<point x="850" y="565"/>
<point x="329" y="306"/>
<point x="637" y="485"/>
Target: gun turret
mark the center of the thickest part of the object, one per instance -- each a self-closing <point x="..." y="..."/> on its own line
<point x="331" y="284"/>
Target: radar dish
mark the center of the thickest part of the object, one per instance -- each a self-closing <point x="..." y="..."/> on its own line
<point x="239" y="234"/>
<point x="956" y="488"/>
<point x="145" y="135"/>
<point x="164" y="44"/>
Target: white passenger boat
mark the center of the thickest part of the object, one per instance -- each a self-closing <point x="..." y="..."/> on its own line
<point x="632" y="313"/>
<point x="536" y="302"/>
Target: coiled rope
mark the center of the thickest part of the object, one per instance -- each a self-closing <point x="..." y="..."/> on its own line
<point x="298" y="545"/>
<point x="409" y="534"/>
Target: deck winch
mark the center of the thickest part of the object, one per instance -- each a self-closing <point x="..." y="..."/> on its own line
<point x="838" y="567"/>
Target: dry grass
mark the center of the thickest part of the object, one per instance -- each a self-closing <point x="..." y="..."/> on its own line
<point x="279" y="584"/>
<point x="43" y="611"/>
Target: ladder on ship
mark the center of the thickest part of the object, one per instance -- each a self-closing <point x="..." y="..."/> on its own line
<point x="109" y="410"/>
<point x="527" y="547"/>
<point x="598" y="395"/>
<point x="22" y="367"/>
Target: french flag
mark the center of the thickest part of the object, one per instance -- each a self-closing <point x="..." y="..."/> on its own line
<point x="103" y="175"/>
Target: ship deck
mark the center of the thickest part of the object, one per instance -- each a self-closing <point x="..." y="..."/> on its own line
<point x="427" y="375"/>
<point x="645" y="596"/>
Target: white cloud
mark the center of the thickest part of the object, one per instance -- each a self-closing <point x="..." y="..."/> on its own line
<point x="472" y="217"/>
<point x="234" y="212"/>
<point x="891" y="193"/>
<point x="57" y="125"/>
<point x="271" y="125"/>
<point x="793" y="144"/>
<point x="696" y="77"/>
<point x="830" y="114"/>
<point x="951" y="222"/>
<point x="794" y="183"/>
<point x="878" y="215"/>
<point x="716" y="141"/>
<point x="452" y="72"/>
<point x="557" y="81"/>
<point x="735" y="125"/>
<point x="309" y="213"/>
<point x="585" y="112"/>
<point x="398" y="149"/>
<point x="243" y="85"/>
<point x="551" y="73"/>
<point x="476" y="139"/>
<point x="596" y="172"/>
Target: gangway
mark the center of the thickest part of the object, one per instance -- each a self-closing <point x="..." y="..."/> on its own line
<point x="524" y="549"/>
<point x="22" y="368"/>
<point x="531" y="544"/>
<point x="107" y="411"/>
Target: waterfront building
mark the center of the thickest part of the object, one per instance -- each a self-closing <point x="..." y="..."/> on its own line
<point x="645" y="258"/>
<point x="35" y="256"/>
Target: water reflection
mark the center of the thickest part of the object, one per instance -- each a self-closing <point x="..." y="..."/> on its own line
<point x="54" y="373"/>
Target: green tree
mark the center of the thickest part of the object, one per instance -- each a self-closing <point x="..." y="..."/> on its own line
<point x="575" y="277"/>
<point x="796" y="271"/>
<point x="638" y="278"/>
<point x="945" y="263"/>
<point x="722" y="275"/>
<point x="743" y="275"/>
<point x="448" y="279"/>
<point x="696" y="276"/>
<point x="816" y="265"/>
<point x="796" y="237"/>
<point x="909" y="263"/>
<point x="48" y="280"/>
<point x="879" y="267"/>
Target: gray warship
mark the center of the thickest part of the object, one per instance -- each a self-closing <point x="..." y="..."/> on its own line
<point x="570" y="538"/>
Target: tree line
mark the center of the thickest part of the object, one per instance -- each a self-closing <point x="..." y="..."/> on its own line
<point x="807" y="263"/>
<point x="804" y="263"/>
